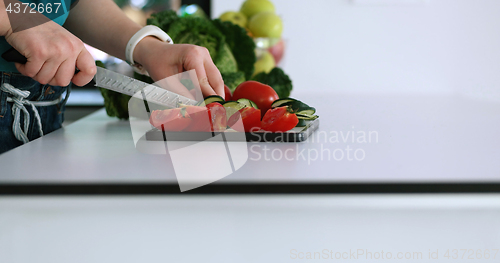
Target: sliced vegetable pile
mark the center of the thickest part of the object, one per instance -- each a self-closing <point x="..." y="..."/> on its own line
<point x="191" y="118"/>
<point x="255" y="104"/>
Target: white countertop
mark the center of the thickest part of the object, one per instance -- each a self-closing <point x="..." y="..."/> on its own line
<point x="419" y="138"/>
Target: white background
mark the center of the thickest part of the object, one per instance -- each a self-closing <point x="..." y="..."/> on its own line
<point x="380" y="46"/>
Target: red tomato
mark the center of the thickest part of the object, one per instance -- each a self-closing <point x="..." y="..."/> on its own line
<point x="199" y="119"/>
<point x="217" y="114"/>
<point x="263" y="95"/>
<point x="170" y="120"/>
<point x="227" y="93"/>
<point x="250" y="118"/>
<point x="279" y="120"/>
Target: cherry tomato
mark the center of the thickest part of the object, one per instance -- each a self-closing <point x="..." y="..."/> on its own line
<point x="170" y="120"/>
<point x="263" y="95"/>
<point x="217" y="115"/>
<point x="250" y="118"/>
<point x="227" y="93"/>
<point x="279" y="120"/>
<point x="200" y="120"/>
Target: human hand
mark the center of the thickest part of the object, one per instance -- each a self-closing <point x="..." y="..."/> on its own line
<point x="162" y="60"/>
<point x="52" y="53"/>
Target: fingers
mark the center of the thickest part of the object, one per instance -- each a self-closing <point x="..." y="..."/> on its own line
<point x="64" y="74"/>
<point x="31" y="68"/>
<point x="209" y="77"/>
<point x="167" y="60"/>
<point x="86" y="64"/>
<point x="52" y="54"/>
<point x="173" y="84"/>
<point x="57" y="73"/>
<point x="47" y="72"/>
<point x="214" y="78"/>
<point x="206" y="89"/>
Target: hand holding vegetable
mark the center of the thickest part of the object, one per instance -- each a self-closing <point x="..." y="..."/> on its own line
<point x="162" y="60"/>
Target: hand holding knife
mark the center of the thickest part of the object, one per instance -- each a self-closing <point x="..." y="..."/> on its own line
<point x="120" y="83"/>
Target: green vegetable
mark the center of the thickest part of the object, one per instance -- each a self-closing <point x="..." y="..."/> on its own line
<point x="302" y="110"/>
<point x="296" y="106"/>
<point x="301" y="123"/>
<point x="116" y="104"/>
<point x="248" y="103"/>
<point x="143" y="78"/>
<point x="306" y="117"/>
<point x="232" y="107"/>
<point x="213" y="98"/>
<point x="241" y="45"/>
<point x="278" y="80"/>
<point x="232" y="80"/>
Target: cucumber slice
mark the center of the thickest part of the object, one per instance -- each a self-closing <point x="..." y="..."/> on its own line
<point x="282" y="102"/>
<point x="248" y="103"/>
<point x="233" y="104"/>
<point x="295" y="106"/>
<point x="307" y="111"/>
<point x="306" y="117"/>
<point x="232" y="107"/>
<point x="214" y="98"/>
<point x="302" y="123"/>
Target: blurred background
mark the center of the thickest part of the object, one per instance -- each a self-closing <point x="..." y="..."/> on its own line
<point x="365" y="46"/>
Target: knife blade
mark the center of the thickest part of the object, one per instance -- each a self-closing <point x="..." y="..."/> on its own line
<point x="120" y="83"/>
<point x="111" y="80"/>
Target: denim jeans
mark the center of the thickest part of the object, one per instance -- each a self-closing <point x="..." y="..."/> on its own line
<point x="51" y="116"/>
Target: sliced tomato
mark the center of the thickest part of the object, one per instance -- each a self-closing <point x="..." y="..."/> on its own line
<point x="170" y="120"/>
<point x="200" y="120"/>
<point x="227" y="93"/>
<point x="279" y="120"/>
<point x="250" y="118"/>
<point x="217" y="115"/>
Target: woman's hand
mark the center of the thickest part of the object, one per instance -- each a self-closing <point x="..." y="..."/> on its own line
<point x="52" y="53"/>
<point x="162" y="60"/>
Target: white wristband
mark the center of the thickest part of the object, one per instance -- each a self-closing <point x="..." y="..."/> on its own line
<point x="134" y="40"/>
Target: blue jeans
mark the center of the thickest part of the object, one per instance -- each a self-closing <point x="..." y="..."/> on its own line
<point x="51" y="116"/>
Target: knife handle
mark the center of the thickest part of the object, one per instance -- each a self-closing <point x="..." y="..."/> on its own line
<point x="12" y="55"/>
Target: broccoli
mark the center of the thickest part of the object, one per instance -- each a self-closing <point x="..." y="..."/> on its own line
<point x="232" y="80"/>
<point x="242" y="45"/>
<point x="116" y="104"/>
<point x="277" y="79"/>
<point x="163" y="20"/>
<point x="225" y="60"/>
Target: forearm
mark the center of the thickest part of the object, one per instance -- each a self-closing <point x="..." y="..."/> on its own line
<point x="101" y="24"/>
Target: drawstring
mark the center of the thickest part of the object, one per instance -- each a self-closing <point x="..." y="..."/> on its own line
<point x="19" y="100"/>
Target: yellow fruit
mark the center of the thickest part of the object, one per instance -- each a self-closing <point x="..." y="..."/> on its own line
<point x="266" y="24"/>
<point x="252" y="7"/>
<point x="264" y="64"/>
<point x="234" y="17"/>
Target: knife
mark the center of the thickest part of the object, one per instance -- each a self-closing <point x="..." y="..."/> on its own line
<point x="111" y="80"/>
